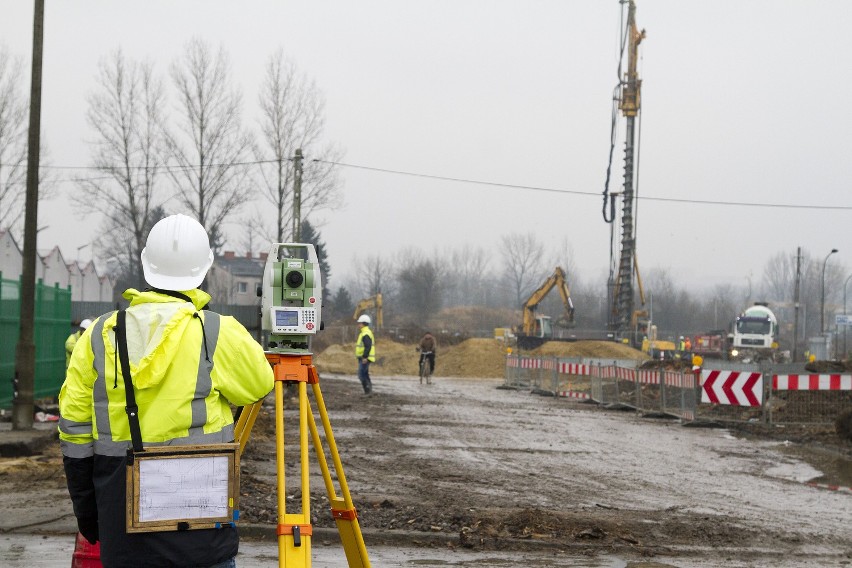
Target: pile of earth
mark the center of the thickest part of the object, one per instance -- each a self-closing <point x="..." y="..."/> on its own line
<point x="673" y="365"/>
<point x="594" y="349"/>
<point x="829" y="366"/>
<point x="475" y="357"/>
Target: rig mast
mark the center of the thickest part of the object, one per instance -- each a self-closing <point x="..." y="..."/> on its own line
<point x="630" y="102"/>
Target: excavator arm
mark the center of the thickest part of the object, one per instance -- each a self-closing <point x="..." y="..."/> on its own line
<point x="373" y="302"/>
<point x="558" y="280"/>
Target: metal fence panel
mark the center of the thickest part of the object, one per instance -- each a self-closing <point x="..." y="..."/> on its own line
<point x="10" y="313"/>
<point x="52" y="316"/>
<point x="83" y="310"/>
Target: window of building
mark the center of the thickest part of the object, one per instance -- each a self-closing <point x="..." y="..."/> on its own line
<point x="242" y="287"/>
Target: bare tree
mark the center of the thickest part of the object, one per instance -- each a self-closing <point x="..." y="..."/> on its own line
<point x="523" y="259"/>
<point x="421" y="285"/>
<point x="125" y="115"/>
<point x="374" y="275"/>
<point x="13" y="141"/>
<point x="469" y="281"/>
<point x="207" y="152"/>
<point x="251" y="238"/>
<point x="292" y="117"/>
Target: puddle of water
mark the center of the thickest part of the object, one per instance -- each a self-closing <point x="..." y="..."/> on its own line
<point x="830" y="468"/>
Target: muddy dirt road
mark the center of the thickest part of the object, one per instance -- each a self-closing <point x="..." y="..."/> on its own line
<point x="464" y="464"/>
<point x="463" y="473"/>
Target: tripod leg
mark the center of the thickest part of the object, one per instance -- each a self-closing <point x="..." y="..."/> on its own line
<point x="342" y="508"/>
<point x="294" y="530"/>
<point x="242" y="429"/>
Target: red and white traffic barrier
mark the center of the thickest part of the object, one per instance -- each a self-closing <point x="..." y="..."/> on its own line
<point x="573" y="369"/>
<point x="574" y="394"/>
<point x="812" y="382"/>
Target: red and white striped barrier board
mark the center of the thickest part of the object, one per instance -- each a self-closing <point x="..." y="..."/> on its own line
<point x="625" y="374"/>
<point x="674" y="379"/>
<point x="574" y="394"/>
<point x="812" y="382"/>
<point x="573" y="369"/>
<point x="649" y="377"/>
<point x="732" y="387"/>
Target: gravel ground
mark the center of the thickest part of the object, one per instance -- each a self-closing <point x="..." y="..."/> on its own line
<point x="474" y="466"/>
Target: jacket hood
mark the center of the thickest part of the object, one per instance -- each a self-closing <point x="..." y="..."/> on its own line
<point x="155" y="328"/>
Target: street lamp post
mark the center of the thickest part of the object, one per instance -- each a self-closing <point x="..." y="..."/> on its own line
<point x="822" y="296"/>
<point x="845" y="327"/>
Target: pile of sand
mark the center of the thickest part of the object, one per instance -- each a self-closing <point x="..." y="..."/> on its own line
<point x="475" y="357"/>
<point x="598" y="349"/>
<point x="392" y="359"/>
<point x="471" y="358"/>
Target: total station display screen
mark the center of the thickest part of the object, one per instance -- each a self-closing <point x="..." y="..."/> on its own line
<point x="286" y="318"/>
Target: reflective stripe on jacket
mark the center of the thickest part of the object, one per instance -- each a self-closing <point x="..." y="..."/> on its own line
<point x="183" y="385"/>
<point x="359" y="346"/>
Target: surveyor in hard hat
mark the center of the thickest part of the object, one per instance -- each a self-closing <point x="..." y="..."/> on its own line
<point x="187" y="366"/>
<point x="365" y="352"/>
<point x="72" y="339"/>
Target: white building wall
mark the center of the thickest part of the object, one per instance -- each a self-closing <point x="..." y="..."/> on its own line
<point x="53" y="270"/>
<point x="11" y="257"/>
<point x="90" y="291"/>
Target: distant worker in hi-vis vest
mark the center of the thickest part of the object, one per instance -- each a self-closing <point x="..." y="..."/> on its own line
<point x="365" y="352"/>
<point x="188" y="366"/>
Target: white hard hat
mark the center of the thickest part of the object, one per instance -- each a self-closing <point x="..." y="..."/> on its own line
<point x="177" y="254"/>
<point x="364" y="319"/>
<point x="85" y="323"/>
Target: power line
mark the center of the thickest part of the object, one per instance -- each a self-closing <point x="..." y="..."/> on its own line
<point x="584" y="193"/>
<point x="460" y="180"/>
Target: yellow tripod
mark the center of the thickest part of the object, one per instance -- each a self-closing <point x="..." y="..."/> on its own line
<point x="295" y="530"/>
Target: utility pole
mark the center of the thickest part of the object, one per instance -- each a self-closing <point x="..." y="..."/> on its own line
<point x="796" y="303"/>
<point x="629" y="105"/>
<point x="297" y="196"/>
<point x="23" y="405"/>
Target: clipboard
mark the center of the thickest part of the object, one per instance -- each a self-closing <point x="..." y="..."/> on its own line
<point x="175" y="488"/>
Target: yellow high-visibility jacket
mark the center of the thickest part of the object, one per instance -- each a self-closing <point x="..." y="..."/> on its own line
<point x="186" y="365"/>
<point x="360" y="347"/>
<point x="69" y="345"/>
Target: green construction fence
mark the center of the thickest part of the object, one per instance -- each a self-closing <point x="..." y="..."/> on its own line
<point x="52" y="327"/>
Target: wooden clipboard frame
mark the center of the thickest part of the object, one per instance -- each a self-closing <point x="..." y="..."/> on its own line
<point x="231" y="451"/>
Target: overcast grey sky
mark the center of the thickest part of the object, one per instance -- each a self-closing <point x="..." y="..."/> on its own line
<point x="743" y="101"/>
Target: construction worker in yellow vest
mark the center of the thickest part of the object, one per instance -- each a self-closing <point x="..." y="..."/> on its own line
<point x="365" y="352"/>
<point x="188" y="366"/>
<point x="72" y="339"/>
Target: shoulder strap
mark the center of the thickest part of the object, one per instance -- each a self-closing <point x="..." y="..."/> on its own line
<point x="132" y="409"/>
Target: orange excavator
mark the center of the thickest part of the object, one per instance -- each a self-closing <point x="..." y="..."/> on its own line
<point x="536" y="329"/>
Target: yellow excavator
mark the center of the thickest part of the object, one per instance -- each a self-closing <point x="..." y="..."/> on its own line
<point x="373" y="302"/>
<point x="537" y="329"/>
